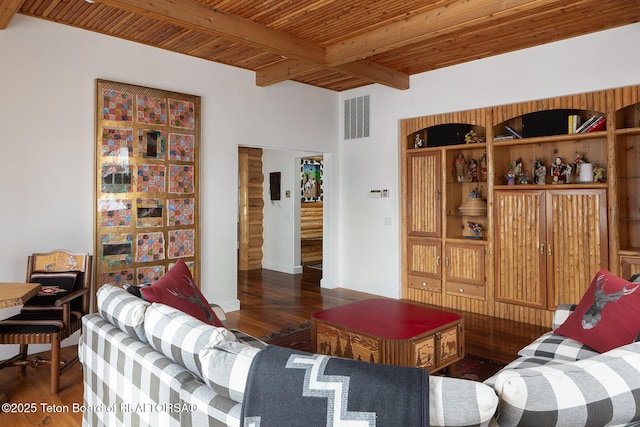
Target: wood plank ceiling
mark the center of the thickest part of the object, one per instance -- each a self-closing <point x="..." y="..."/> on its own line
<point x="335" y="44"/>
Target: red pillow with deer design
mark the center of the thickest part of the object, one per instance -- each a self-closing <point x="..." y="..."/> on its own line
<point x="608" y="315"/>
<point x="177" y="289"/>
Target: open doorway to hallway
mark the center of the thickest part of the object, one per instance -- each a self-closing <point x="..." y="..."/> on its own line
<point x="283" y="233"/>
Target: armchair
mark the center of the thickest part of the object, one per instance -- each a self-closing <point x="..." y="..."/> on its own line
<point x="54" y="314"/>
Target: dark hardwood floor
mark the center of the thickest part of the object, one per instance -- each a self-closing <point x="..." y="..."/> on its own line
<point x="270" y="301"/>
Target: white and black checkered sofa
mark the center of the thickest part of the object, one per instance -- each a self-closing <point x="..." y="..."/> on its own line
<point x="558" y="381"/>
<point x="151" y="365"/>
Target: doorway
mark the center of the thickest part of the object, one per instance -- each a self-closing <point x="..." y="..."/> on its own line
<point x="281" y="234"/>
<point x="311" y="217"/>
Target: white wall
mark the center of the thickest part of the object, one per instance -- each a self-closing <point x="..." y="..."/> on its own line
<point x="47" y="138"/>
<point x="369" y="250"/>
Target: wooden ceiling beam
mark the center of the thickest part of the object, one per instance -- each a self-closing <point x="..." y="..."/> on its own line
<point x="292" y="68"/>
<point x="197" y="17"/>
<point x="420" y="27"/>
<point x="376" y="73"/>
<point x="285" y="70"/>
<point x="304" y="56"/>
<point x="8" y="9"/>
<point x="348" y="54"/>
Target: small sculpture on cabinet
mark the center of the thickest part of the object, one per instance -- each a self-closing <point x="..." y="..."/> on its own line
<point x="556" y="170"/>
<point x="598" y="173"/>
<point x="476" y="228"/>
<point x="517" y="167"/>
<point x="418" y="142"/>
<point x="539" y="172"/>
<point x="472" y="171"/>
<point x="483" y="167"/>
<point x="565" y="173"/>
<point x="472" y="137"/>
<point x="461" y="165"/>
<point x="474" y="204"/>
<point x="511" y="176"/>
<point x="577" y="163"/>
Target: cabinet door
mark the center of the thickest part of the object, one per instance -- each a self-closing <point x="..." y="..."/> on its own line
<point x="464" y="270"/>
<point x="424" y="194"/>
<point x="629" y="265"/>
<point x="520" y="247"/>
<point x="577" y="242"/>
<point x="425" y="266"/>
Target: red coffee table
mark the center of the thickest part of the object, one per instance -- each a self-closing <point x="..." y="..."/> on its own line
<point x="391" y="332"/>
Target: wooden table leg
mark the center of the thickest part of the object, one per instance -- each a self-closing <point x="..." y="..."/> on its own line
<point x="451" y="370"/>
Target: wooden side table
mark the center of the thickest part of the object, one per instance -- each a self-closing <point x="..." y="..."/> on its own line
<point x="13" y="295"/>
<point x="391" y="332"/>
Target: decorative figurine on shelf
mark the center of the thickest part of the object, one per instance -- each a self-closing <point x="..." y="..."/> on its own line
<point x="511" y="176"/>
<point x="474" y="204"/>
<point x="539" y="172"/>
<point x="577" y="163"/>
<point x="524" y="178"/>
<point x="483" y="167"/>
<point x="598" y="173"/>
<point x="468" y="138"/>
<point x="517" y="169"/>
<point x="556" y="169"/>
<point x="472" y="137"/>
<point x="472" y="171"/>
<point x="475" y="227"/>
<point x="565" y="173"/>
<point x="461" y="165"/>
<point x="418" y="142"/>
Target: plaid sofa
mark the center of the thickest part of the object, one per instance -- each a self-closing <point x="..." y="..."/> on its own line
<point x="149" y="365"/>
<point x="557" y="381"/>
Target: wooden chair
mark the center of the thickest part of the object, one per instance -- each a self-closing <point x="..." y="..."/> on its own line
<point x="52" y="315"/>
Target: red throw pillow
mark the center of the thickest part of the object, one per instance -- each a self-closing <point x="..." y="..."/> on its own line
<point x="607" y="316"/>
<point x="176" y="289"/>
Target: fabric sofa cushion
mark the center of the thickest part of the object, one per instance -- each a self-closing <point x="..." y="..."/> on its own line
<point x="561" y="314"/>
<point x="179" y="336"/>
<point x="225" y="367"/>
<point x="555" y="346"/>
<point x="600" y="390"/>
<point x="445" y="402"/>
<point x="123" y="310"/>
<point x="607" y="316"/>
<point x="177" y="289"/>
<point x="126" y="383"/>
<point x="524" y="362"/>
<point x="209" y="408"/>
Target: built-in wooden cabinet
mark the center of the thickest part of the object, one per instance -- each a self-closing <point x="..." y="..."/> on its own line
<point x="549" y="244"/>
<point x="446" y="231"/>
<point x="543" y="235"/>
